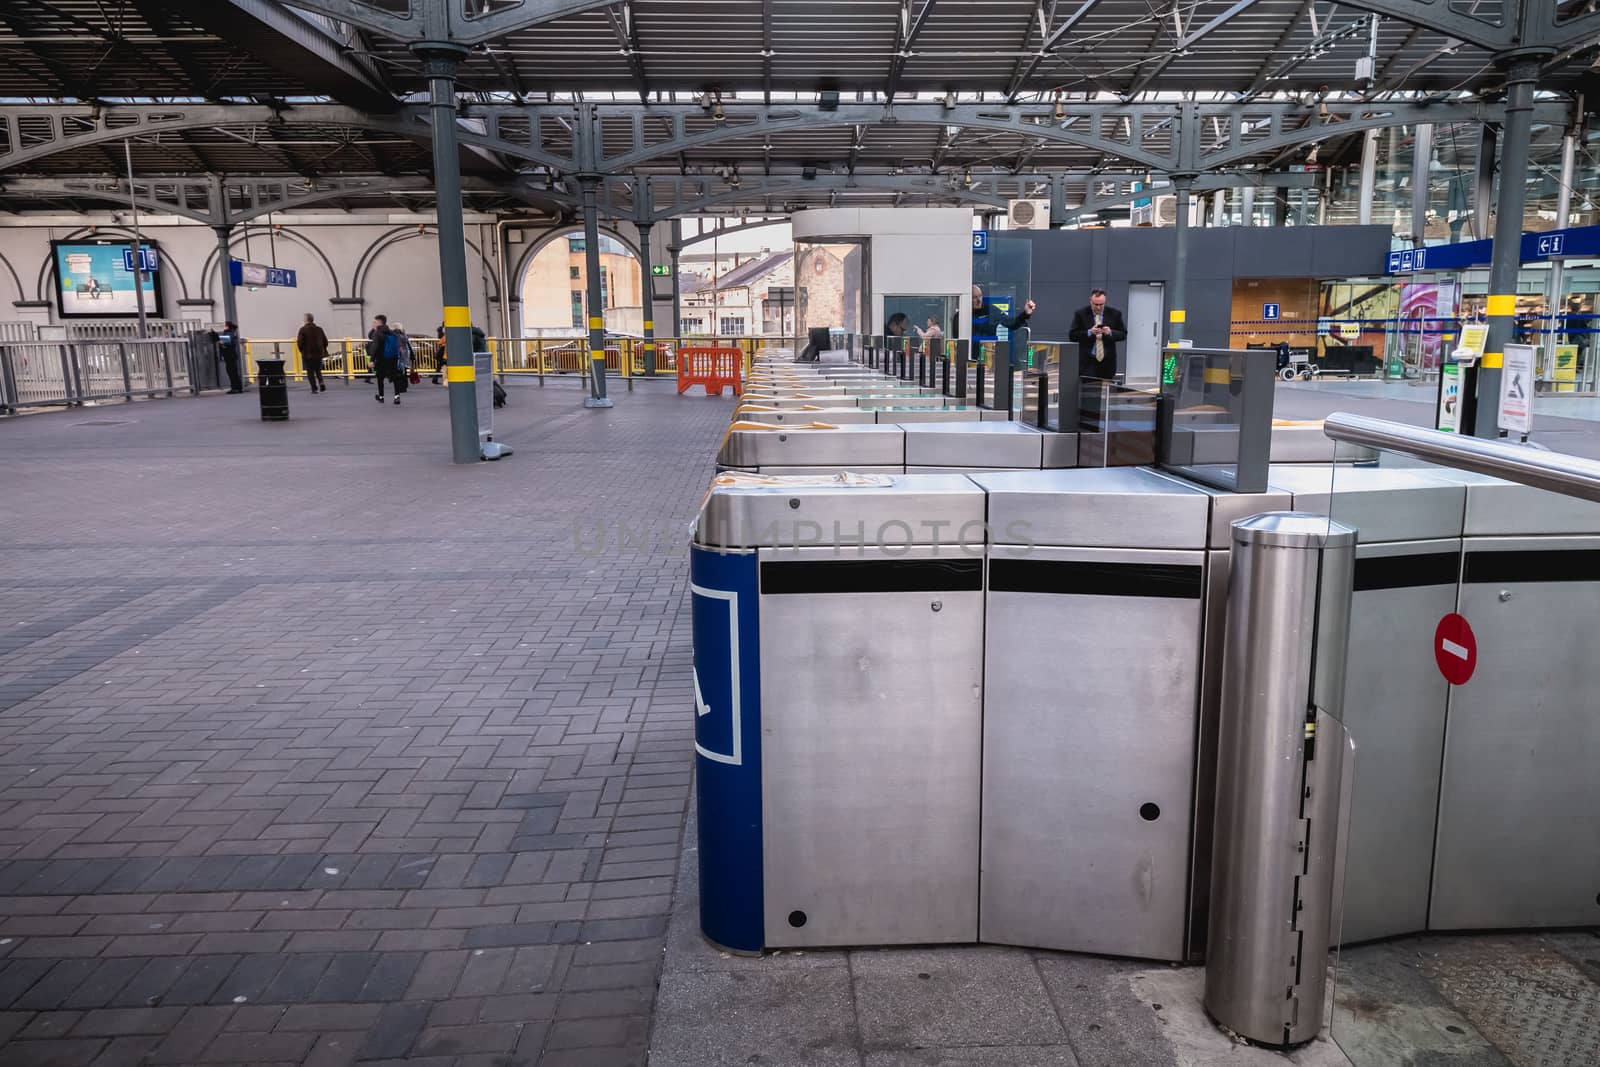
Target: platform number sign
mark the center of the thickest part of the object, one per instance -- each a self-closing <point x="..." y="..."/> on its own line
<point x="1270" y="312"/>
<point x="980" y="241"/>
<point x="149" y="261"/>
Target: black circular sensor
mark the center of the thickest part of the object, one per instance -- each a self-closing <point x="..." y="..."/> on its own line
<point x="797" y="919"/>
<point x="1150" y="812"/>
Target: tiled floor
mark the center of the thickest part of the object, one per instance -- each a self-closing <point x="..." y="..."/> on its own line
<point x="315" y="749"/>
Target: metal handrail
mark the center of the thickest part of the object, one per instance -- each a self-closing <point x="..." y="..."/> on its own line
<point x="1568" y="475"/>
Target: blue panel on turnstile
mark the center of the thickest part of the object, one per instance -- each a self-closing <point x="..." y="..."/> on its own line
<point x="727" y="665"/>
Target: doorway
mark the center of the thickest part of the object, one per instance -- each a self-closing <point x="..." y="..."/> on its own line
<point x="1146" y="303"/>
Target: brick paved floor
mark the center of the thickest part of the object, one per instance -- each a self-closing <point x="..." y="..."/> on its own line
<point x="315" y="749"/>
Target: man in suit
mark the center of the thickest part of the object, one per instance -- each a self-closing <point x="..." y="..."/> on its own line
<point x="1097" y="329"/>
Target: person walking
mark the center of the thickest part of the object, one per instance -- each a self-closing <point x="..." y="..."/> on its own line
<point x="407" y="356"/>
<point x="228" y="349"/>
<point x="313" y="346"/>
<point x="383" y="352"/>
<point x="1097" y="328"/>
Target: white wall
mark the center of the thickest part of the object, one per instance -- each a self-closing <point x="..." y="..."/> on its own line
<point x="914" y="250"/>
<point x="349" y="266"/>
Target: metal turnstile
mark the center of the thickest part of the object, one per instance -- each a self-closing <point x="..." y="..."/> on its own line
<point x="848" y="815"/>
<point x="1095" y="610"/>
<point x="1407" y="562"/>
<point x="1519" y="805"/>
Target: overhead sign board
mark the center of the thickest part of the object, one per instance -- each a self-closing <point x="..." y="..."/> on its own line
<point x="660" y="270"/>
<point x="243" y="273"/>
<point x="149" y="261"/>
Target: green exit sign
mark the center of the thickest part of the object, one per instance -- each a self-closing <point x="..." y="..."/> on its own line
<point x="659" y="269"/>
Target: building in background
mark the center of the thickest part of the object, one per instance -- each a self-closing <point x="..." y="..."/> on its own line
<point x="555" y="290"/>
<point x="755" y="298"/>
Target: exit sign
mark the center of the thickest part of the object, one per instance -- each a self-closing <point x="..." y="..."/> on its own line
<point x="659" y="269"/>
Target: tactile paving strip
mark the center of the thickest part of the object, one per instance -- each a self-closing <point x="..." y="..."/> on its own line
<point x="1534" y="1005"/>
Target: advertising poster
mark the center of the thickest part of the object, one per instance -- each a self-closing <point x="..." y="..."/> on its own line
<point x="95" y="281"/>
<point x="1425" y="311"/>
<point x="1449" y="398"/>
<point x="1565" y="371"/>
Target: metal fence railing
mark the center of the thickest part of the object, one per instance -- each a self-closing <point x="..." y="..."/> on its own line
<point x="55" y="373"/>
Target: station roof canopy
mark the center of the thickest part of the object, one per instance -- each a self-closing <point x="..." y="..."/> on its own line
<point x="318" y="89"/>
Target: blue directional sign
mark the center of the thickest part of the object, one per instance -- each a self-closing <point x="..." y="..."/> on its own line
<point x="1573" y="242"/>
<point x="980" y="241"/>
<point x="149" y="262"/>
<point x="1269" y="312"/>
<point x="1549" y="244"/>
<point x="257" y="274"/>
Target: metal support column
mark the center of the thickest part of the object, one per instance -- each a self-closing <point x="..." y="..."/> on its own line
<point x="1280" y="772"/>
<point x="1506" y="260"/>
<point x="647" y="299"/>
<point x="1483" y="187"/>
<point x="1247" y="205"/>
<point x="593" y="304"/>
<point x="440" y="60"/>
<point x="138" y="247"/>
<point x="1369" y="177"/>
<point x="1182" y="184"/>
<point x="1421" y="172"/>
<point x="675" y="249"/>
<point x="1219" y="208"/>
<point x="230" y="302"/>
<point x="1558" y="267"/>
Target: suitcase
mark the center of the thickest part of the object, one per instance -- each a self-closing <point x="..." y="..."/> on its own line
<point x="499" y="395"/>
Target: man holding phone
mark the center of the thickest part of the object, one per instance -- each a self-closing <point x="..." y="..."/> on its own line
<point x="1098" y="329"/>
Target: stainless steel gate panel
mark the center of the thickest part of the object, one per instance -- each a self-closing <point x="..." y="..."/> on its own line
<point x="949" y="413"/>
<point x="1060" y="450"/>
<point x="925" y="509"/>
<point x="765" y="400"/>
<point x="1001" y="445"/>
<point x="1088" y="771"/>
<point x="1097" y="507"/>
<point x="1394" y="708"/>
<point x="879" y="401"/>
<point x="876" y="446"/>
<point x="805" y="416"/>
<point x="1226" y="509"/>
<point x="1383" y="504"/>
<point x="1502" y="509"/>
<point x="872" y="730"/>
<point x="1519" y="837"/>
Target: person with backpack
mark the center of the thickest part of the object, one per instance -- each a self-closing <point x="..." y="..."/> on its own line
<point x="408" y="357"/>
<point x="383" y="352"/>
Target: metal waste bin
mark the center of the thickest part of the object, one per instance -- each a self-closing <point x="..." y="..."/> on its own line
<point x="1280" y="765"/>
<point x="273" y="385"/>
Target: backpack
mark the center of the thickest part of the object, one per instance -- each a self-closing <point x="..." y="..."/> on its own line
<point x="480" y="343"/>
<point x="499" y="396"/>
<point x="391" y="346"/>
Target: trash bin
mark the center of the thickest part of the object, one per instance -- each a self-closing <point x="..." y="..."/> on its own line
<point x="274" y="388"/>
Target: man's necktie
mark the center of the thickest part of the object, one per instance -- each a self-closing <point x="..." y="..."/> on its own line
<point x="1099" y="343"/>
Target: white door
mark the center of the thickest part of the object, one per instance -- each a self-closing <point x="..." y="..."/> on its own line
<point x="1142" y="361"/>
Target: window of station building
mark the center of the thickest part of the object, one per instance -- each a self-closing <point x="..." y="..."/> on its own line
<point x="691" y="326"/>
<point x="574" y="273"/>
<point x="731" y="326"/>
<point x="577" y="307"/>
<point x="577" y="244"/>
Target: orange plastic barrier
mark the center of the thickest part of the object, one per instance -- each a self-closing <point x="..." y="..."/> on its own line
<point x="714" y="368"/>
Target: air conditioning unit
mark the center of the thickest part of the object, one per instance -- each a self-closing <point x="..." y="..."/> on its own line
<point x="1028" y="214"/>
<point x="1166" y="211"/>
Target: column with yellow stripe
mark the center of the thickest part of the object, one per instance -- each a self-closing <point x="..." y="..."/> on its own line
<point x="596" y="310"/>
<point x="1177" y="314"/>
<point x="1506" y="258"/>
<point x="440" y="60"/>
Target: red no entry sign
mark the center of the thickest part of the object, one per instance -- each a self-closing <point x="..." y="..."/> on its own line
<point x="1455" y="649"/>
